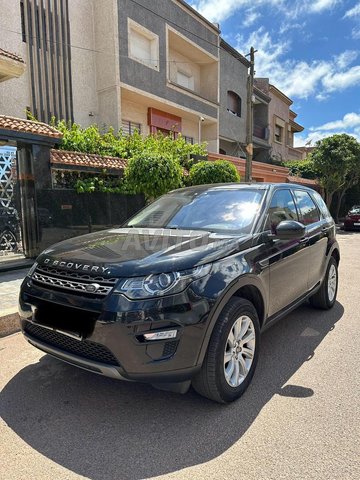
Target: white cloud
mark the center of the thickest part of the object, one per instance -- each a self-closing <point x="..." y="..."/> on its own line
<point x="355" y="33"/>
<point x="337" y="81"/>
<point x="346" y="58"/>
<point x="350" y="120"/>
<point x="290" y="26"/>
<point x="321" y="5"/>
<point x="353" y="12"/>
<point x="350" y="124"/>
<point x="217" y="11"/>
<point x="299" y="78"/>
<point x="321" y="97"/>
<point x="250" y="17"/>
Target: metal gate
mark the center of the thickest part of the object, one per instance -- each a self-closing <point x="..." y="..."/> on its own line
<point x="10" y="239"/>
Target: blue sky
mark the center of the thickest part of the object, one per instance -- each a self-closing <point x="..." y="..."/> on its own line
<point x="310" y="49"/>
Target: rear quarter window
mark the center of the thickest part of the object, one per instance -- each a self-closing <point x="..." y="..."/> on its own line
<point x="322" y="205"/>
<point x="308" y="210"/>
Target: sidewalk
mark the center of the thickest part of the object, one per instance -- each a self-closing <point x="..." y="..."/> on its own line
<point x="9" y="292"/>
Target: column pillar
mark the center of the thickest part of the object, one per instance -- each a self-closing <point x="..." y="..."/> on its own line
<point x="28" y="213"/>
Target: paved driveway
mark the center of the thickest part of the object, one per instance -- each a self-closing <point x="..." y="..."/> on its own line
<point x="9" y="288"/>
<point x="299" y="419"/>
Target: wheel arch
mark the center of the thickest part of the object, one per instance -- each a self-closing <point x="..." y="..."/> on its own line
<point x="248" y="287"/>
<point x="336" y="254"/>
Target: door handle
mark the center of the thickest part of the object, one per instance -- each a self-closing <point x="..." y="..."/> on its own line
<point x="304" y="240"/>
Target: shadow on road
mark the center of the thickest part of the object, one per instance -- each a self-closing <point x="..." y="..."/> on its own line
<point x="13" y="275"/>
<point x="104" y="429"/>
<point x="347" y="233"/>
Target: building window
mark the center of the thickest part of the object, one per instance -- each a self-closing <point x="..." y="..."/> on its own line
<point x="143" y="45"/>
<point x="188" y="139"/>
<point x="234" y="103"/>
<point x="278" y="133"/>
<point x="185" y="80"/>
<point x="290" y="139"/>
<point x="22" y="13"/>
<point x="128" y="128"/>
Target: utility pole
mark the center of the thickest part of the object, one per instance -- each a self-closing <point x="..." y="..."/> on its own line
<point x="250" y="117"/>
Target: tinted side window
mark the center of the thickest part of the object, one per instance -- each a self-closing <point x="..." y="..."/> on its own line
<point x="282" y="207"/>
<point x="322" y="205"/>
<point x="309" y="212"/>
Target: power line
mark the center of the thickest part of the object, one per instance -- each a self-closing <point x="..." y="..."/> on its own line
<point x="49" y="42"/>
<point x="177" y="25"/>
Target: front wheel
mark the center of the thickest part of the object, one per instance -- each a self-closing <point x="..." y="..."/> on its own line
<point x="325" y="297"/>
<point x="232" y="354"/>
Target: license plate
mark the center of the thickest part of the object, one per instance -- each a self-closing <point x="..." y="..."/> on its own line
<point x="356" y="224"/>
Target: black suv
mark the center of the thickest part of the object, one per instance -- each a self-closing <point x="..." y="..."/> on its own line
<point x="181" y="293"/>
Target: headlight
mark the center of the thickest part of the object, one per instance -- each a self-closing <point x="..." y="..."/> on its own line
<point x="32" y="269"/>
<point x="161" y="284"/>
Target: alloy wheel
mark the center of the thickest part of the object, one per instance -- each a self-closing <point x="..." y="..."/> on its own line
<point x="332" y="283"/>
<point x="239" y="351"/>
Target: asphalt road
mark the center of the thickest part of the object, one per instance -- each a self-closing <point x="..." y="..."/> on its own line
<point x="300" y="418"/>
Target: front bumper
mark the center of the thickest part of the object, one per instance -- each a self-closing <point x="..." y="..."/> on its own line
<point x="106" y="336"/>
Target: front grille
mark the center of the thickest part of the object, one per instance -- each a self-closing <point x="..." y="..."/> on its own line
<point x="75" y="282"/>
<point x="84" y="348"/>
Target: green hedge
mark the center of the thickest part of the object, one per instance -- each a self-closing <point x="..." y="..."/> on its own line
<point x="220" y="171"/>
<point x="153" y="174"/>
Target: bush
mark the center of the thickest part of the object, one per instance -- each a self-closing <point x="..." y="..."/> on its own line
<point x="220" y="171"/>
<point x="153" y="174"/>
<point x="302" y="168"/>
<point x="92" y="140"/>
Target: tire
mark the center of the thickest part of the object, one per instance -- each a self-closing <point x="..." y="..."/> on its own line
<point x="212" y="381"/>
<point x="8" y="241"/>
<point x="325" y="297"/>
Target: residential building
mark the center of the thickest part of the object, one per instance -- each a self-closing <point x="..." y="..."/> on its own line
<point x="281" y="123"/>
<point x="233" y="101"/>
<point x="261" y="144"/>
<point x="305" y="150"/>
<point x="123" y="64"/>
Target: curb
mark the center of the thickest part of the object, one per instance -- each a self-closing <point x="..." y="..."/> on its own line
<point x="9" y="322"/>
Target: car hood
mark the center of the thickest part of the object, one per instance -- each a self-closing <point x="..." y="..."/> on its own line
<point x="141" y="251"/>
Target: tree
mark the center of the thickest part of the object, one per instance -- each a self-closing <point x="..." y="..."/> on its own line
<point x="302" y="168"/>
<point x="153" y="174"/>
<point x="337" y="161"/>
<point x="220" y="171"/>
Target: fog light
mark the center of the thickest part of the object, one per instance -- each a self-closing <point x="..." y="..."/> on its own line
<point x="160" y="335"/>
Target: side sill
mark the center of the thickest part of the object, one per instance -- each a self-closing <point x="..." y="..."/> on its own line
<point x="283" y="313"/>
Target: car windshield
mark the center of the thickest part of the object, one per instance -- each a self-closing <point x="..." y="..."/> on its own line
<point x="220" y="210"/>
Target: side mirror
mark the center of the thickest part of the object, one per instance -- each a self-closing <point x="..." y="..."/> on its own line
<point x="290" y="230"/>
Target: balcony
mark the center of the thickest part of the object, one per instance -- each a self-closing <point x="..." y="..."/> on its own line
<point x="11" y="65"/>
<point x="191" y="69"/>
<point x="295" y="154"/>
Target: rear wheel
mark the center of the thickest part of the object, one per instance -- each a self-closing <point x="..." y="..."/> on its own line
<point x="232" y="353"/>
<point x="325" y="297"/>
<point x="8" y="241"/>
